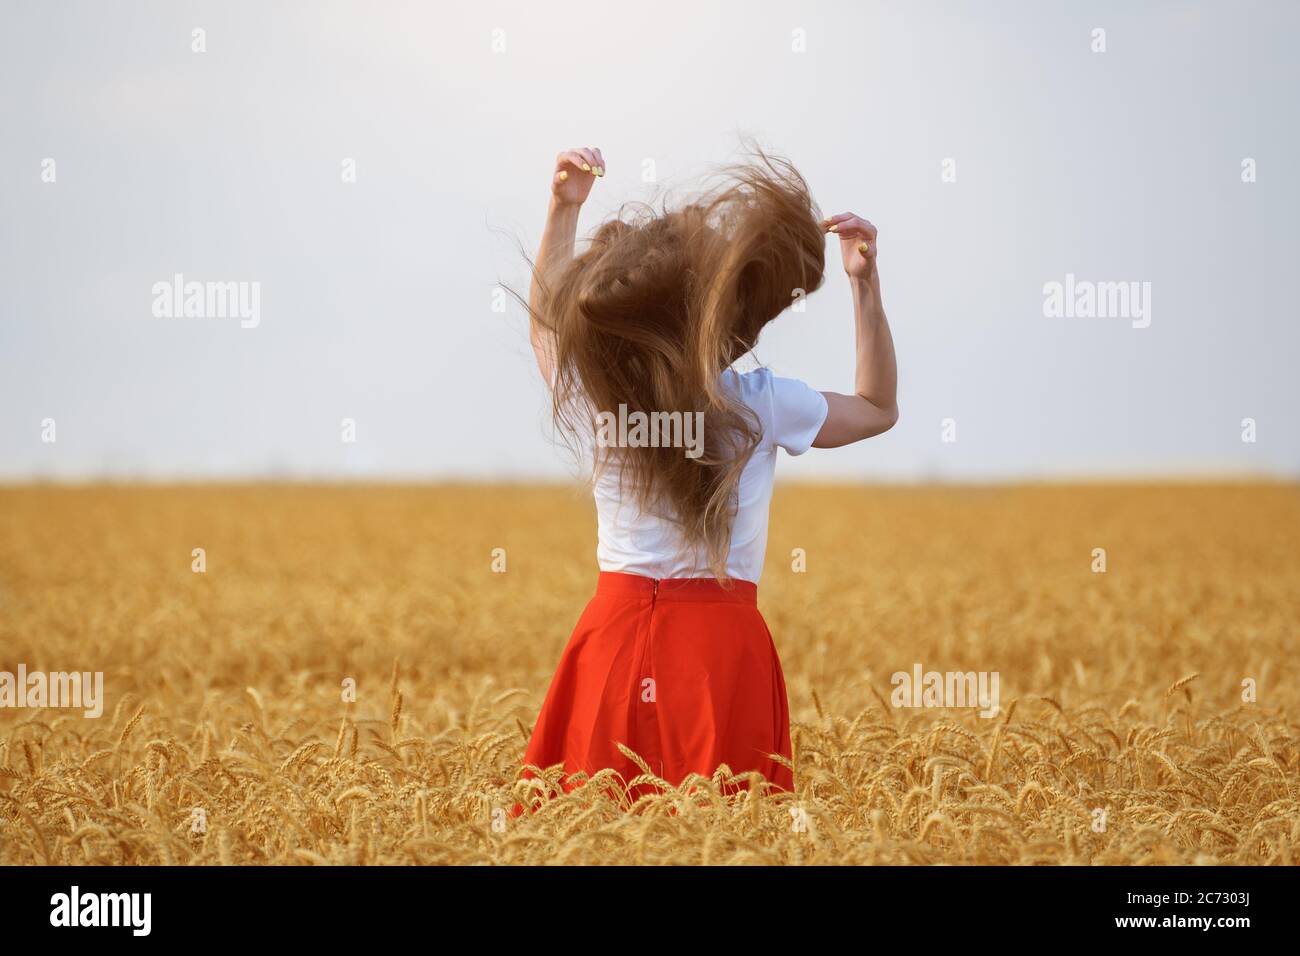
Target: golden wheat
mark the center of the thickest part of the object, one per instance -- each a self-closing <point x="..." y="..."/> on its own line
<point x="1122" y="691"/>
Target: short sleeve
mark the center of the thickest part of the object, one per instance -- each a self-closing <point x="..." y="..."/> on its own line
<point x="798" y="413"/>
<point x="789" y="411"/>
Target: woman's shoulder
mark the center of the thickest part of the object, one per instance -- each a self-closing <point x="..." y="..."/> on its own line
<point x="763" y="385"/>
<point x="790" y="410"/>
<point x="753" y="384"/>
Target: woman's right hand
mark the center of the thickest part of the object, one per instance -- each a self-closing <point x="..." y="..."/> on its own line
<point x="575" y="172"/>
<point x="857" y="243"/>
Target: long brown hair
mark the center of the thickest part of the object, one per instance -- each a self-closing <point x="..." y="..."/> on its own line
<point x="657" y="306"/>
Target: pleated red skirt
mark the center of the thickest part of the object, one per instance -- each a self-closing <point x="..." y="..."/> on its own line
<point x="682" y="671"/>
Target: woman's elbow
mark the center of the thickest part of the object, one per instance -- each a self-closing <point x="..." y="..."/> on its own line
<point x="891" y="416"/>
<point x="885" y="419"/>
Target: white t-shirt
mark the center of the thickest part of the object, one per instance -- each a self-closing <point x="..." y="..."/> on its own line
<point x="790" y="415"/>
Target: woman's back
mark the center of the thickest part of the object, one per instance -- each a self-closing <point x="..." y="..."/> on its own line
<point x="639" y="541"/>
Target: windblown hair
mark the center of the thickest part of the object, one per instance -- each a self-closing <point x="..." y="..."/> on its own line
<point x="654" y="310"/>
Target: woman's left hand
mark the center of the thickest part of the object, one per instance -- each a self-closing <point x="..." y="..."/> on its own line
<point x="575" y="172"/>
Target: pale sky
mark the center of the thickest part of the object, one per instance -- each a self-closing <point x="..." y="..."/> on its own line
<point x="376" y="296"/>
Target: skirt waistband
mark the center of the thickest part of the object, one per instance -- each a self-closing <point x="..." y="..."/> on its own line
<point x="620" y="584"/>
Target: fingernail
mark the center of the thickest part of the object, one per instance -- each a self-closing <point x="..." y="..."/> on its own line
<point x="564" y="176"/>
<point x="862" y="248"/>
<point x="835" y="228"/>
<point x="586" y="168"/>
<point x="600" y="170"/>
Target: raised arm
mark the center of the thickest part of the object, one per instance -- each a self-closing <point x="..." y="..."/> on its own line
<point x="873" y="407"/>
<point x="575" y="172"/>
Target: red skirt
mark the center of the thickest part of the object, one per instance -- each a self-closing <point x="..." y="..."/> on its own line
<point x="681" y="671"/>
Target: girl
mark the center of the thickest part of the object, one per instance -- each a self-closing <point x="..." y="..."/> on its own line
<point x="671" y="657"/>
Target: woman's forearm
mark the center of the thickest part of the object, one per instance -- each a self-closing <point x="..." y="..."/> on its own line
<point x="876" y="378"/>
<point x="555" y="251"/>
<point x="558" y="237"/>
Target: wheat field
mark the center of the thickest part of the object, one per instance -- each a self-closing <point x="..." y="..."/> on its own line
<point x="1123" y="736"/>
